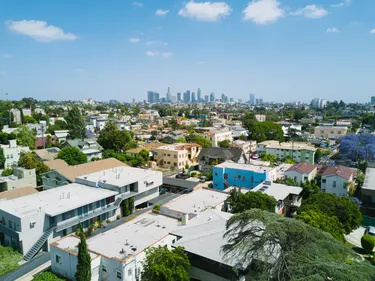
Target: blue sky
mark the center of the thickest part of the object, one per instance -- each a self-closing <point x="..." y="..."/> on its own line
<point x="280" y="50"/>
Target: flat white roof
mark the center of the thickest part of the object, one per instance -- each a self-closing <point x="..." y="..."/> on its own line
<point x="369" y="182"/>
<point x="136" y="235"/>
<point x="278" y="191"/>
<point x="121" y="176"/>
<point x="247" y="167"/>
<point x="197" y="201"/>
<point x="55" y="201"/>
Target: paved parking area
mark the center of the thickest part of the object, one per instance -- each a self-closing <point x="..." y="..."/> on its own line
<point x="355" y="237"/>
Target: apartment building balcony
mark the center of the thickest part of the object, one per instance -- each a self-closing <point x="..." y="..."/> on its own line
<point x="94" y="213"/>
<point x="293" y="202"/>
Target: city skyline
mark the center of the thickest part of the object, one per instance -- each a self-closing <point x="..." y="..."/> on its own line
<point x="278" y="49"/>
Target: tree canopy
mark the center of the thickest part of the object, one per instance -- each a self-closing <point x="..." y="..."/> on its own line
<point x="83" y="272"/>
<point x="72" y="156"/>
<point x="46" y="276"/>
<point x="25" y="137"/>
<point x="202" y="141"/>
<point x="238" y="202"/>
<point x="346" y="210"/>
<point x="28" y="160"/>
<point x="262" y="131"/>
<point x="358" y="147"/>
<point x="114" y="139"/>
<point x="2" y="158"/>
<point x="75" y="123"/>
<point x="275" y="248"/>
<point x="322" y="221"/>
<point x="162" y="264"/>
<point x="224" y="143"/>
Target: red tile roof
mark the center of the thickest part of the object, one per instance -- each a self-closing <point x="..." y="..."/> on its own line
<point x="341" y="171"/>
<point x="302" y="168"/>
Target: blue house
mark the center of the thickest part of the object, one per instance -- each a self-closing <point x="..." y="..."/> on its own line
<point x="240" y="175"/>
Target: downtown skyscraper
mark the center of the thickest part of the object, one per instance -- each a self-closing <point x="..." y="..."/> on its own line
<point x="252" y="99"/>
<point x="199" y="95"/>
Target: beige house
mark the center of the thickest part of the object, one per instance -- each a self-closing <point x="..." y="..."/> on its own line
<point x="331" y="132"/>
<point x="217" y="135"/>
<point x="177" y="155"/>
<point x="246" y="146"/>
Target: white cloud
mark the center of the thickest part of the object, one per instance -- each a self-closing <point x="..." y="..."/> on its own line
<point x="159" y="43"/>
<point x="134" y="40"/>
<point x="77" y="70"/>
<point x="342" y="4"/>
<point x="160" y="12"/>
<point x="333" y="30"/>
<point x="166" y="54"/>
<point x="372" y="31"/>
<point x="137" y="4"/>
<point x="205" y="11"/>
<point x="263" y="11"/>
<point x="311" y="12"/>
<point x="152" y="54"/>
<point x="39" y="30"/>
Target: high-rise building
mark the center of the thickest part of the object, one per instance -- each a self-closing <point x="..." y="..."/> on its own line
<point x="179" y="97"/>
<point x="258" y="101"/>
<point x="318" y="103"/>
<point x="212" y="97"/>
<point x="373" y="100"/>
<point x="150" y="96"/>
<point x="199" y="95"/>
<point x="156" y="97"/>
<point x="224" y="98"/>
<point x="193" y="97"/>
<point x="206" y="98"/>
<point x="169" y="95"/>
<point x="187" y="97"/>
<point x="174" y="99"/>
<point x="252" y="99"/>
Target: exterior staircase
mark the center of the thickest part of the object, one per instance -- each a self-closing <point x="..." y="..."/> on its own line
<point x="226" y="184"/>
<point x="38" y="244"/>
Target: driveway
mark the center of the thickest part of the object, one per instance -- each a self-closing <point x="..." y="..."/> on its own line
<point x="355" y="237"/>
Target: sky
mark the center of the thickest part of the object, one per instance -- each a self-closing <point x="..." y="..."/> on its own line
<point x="280" y="50"/>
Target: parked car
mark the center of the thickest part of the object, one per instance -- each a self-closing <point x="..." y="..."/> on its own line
<point x="370" y="230"/>
<point x="182" y="176"/>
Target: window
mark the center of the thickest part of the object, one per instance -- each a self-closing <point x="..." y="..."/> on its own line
<point x="173" y="241"/>
<point x="175" y="156"/>
<point x="169" y="162"/>
<point x="339" y="132"/>
<point x="334" y="183"/>
<point x="118" y="275"/>
<point x="165" y="154"/>
<point x="225" y="175"/>
<point x="175" y="164"/>
<point x="169" y="155"/>
<point x="323" y="180"/>
<point x="243" y="178"/>
<point x="129" y="272"/>
<point x="215" y="174"/>
<point x="104" y="268"/>
<point x="58" y="259"/>
<point x="344" y="185"/>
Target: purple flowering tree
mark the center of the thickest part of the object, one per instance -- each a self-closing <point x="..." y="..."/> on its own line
<point x="358" y="147"/>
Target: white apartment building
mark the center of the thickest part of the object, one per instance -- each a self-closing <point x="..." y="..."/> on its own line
<point x="12" y="153"/>
<point x="217" y="135"/>
<point x="237" y="132"/>
<point x="21" y="178"/>
<point x="31" y="221"/>
<point x="27" y="112"/>
<point x="302" y="172"/>
<point x="16" y="113"/>
<point x="117" y="254"/>
<point x="260" y="117"/>
<point x="338" y="180"/>
<point x="245" y="146"/>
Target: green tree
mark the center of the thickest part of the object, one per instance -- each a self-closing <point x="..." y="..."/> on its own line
<point x="347" y="211"/>
<point x="28" y="160"/>
<point x="274" y="248"/>
<point x="238" y="202"/>
<point x="25" y="137"/>
<point x="181" y="140"/>
<point x="318" y="154"/>
<point x="243" y="137"/>
<point x="114" y="139"/>
<point x="162" y="264"/>
<point x="202" y="141"/>
<point x="309" y="188"/>
<point x="47" y="276"/>
<point x="321" y="221"/>
<point x="224" y="143"/>
<point x="144" y="155"/>
<point x="9" y="260"/>
<point x="269" y="157"/>
<point x="29" y="120"/>
<point x="368" y="242"/>
<point x="83" y="272"/>
<point x="72" y="155"/>
<point x="75" y="123"/>
<point x="7" y="172"/>
<point x="2" y="158"/>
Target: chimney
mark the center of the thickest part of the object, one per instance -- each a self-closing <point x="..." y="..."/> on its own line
<point x="184" y="219"/>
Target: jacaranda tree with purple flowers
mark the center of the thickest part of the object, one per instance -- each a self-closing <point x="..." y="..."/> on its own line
<point x="359" y="147"/>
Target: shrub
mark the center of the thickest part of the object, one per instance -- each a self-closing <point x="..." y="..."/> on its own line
<point x="108" y="221"/>
<point x="118" y="217"/>
<point x="368" y="242"/>
<point x="157" y="207"/>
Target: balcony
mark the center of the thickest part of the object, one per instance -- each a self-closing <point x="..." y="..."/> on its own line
<point x="294" y="202"/>
<point x="96" y="212"/>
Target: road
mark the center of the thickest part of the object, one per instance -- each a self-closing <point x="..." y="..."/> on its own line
<point x="355" y="237"/>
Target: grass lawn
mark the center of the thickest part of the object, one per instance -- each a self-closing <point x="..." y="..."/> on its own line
<point x="9" y="260"/>
<point x="47" y="276"/>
